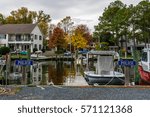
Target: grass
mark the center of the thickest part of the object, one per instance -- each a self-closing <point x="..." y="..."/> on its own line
<point x="31" y="85"/>
<point x="19" y="56"/>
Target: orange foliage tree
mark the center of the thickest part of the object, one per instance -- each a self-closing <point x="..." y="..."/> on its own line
<point x="57" y="39"/>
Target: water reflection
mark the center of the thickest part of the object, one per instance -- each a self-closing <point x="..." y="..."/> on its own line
<point x="42" y="73"/>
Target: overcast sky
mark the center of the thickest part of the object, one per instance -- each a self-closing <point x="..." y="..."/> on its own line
<point x="81" y="11"/>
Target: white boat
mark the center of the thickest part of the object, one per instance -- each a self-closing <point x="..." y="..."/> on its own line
<point x="104" y="73"/>
<point x="144" y="66"/>
<point x="38" y="54"/>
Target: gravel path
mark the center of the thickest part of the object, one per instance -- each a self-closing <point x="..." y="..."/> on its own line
<point x="78" y="93"/>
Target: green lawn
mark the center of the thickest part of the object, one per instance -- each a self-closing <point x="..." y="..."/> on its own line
<point x="19" y="56"/>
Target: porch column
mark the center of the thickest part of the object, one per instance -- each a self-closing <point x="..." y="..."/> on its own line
<point x="31" y="48"/>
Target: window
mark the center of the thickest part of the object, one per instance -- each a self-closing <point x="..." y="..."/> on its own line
<point x="28" y="47"/>
<point x="40" y="37"/>
<point x="35" y="46"/>
<point x="2" y="36"/>
<point x="35" y="36"/>
<point x="27" y="37"/>
<point x="18" y="37"/>
<point x="40" y="47"/>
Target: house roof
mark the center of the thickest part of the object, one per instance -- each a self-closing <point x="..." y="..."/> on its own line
<point x="17" y="28"/>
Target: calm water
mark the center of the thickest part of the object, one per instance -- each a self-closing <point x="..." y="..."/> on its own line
<point x="42" y="73"/>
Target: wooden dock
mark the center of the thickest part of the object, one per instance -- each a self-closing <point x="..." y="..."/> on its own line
<point x="54" y="58"/>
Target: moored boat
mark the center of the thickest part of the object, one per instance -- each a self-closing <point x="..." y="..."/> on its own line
<point x="38" y="55"/>
<point x="104" y="73"/>
<point x="144" y="66"/>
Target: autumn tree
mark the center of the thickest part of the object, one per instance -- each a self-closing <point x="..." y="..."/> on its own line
<point x="67" y="25"/>
<point x="57" y="39"/>
<point x="78" y="41"/>
<point x="68" y="42"/>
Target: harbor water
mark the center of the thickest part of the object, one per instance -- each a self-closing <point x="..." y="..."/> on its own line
<point x="67" y="73"/>
<point x="44" y="73"/>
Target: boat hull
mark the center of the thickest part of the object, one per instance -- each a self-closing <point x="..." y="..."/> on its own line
<point x="104" y="80"/>
<point x="144" y="75"/>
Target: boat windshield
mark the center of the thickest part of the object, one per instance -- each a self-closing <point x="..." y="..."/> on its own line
<point x="144" y="57"/>
<point x="104" y="64"/>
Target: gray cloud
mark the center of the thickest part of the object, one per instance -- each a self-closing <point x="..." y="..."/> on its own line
<point x="86" y="11"/>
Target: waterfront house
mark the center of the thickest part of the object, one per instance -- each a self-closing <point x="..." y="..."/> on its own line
<point x="21" y="37"/>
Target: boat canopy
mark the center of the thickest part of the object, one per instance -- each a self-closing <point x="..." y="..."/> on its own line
<point x="105" y="60"/>
<point x="110" y="53"/>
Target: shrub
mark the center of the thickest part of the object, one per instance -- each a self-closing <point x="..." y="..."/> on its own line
<point x="4" y="50"/>
<point x="34" y="50"/>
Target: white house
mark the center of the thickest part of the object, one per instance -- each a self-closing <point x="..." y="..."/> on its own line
<point x="21" y="36"/>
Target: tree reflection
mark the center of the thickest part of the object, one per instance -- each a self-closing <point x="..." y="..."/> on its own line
<point x="58" y="72"/>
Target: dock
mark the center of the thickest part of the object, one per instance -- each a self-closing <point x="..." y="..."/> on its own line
<point x="54" y="58"/>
